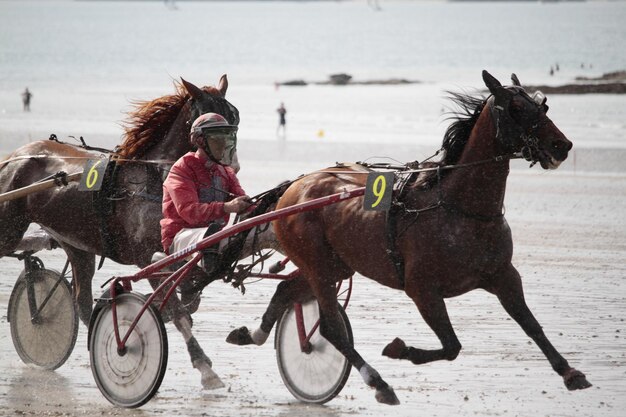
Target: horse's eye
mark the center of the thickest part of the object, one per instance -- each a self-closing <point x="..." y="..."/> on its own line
<point x="516" y="109"/>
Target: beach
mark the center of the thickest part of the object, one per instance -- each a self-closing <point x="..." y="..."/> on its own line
<point x="570" y="247"/>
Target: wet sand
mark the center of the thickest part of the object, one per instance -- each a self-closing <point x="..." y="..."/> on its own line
<point x="569" y="231"/>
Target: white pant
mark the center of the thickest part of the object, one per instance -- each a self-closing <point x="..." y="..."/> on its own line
<point x="188" y="237"/>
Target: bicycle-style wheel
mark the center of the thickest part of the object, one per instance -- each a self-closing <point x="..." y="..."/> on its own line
<point x="318" y="374"/>
<point x="129" y="379"/>
<point x="43" y="333"/>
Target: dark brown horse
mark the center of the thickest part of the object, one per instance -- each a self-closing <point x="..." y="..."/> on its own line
<point x="121" y="221"/>
<point x="448" y="233"/>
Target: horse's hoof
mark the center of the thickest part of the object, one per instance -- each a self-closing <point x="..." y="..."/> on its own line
<point x="395" y="349"/>
<point x="240" y="336"/>
<point x="191" y="302"/>
<point x="574" y="379"/>
<point x="387" y="396"/>
<point x="212" y="382"/>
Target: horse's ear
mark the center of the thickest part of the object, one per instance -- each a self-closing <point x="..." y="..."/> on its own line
<point x="222" y="86"/>
<point x="515" y="80"/>
<point x="194" y="91"/>
<point x="491" y="82"/>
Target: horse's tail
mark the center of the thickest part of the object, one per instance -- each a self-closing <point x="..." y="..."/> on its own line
<point x="4" y="161"/>
<point x="14" y="220"/>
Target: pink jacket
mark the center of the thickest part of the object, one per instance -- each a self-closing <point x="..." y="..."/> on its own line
<point x="194" y="195"/>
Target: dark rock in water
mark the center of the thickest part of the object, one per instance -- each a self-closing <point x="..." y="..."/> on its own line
<point x="609" y="76"/>
<point x="390" y="81"/>
<point x="599" y="88"/>
<point x="346" y="79"/>
<point x="609" y="83"/>
<point x="340" y="79"/>
<point x="337" y="80"/>
<point x="294" y="83"/>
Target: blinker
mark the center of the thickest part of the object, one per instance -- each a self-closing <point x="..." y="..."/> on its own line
<point x="539" y="98"/>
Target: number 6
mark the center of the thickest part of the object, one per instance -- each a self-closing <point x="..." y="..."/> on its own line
<point x="92" y="176"/>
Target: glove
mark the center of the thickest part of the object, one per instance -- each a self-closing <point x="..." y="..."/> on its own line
<point x="238" y="204"/>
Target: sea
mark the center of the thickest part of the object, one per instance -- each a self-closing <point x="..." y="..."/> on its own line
<point x="86" y="62"/>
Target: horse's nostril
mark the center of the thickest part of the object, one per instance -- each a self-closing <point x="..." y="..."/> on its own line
<point x="561" y="145"/>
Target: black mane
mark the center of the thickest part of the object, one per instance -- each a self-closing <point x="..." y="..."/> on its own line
<point x="465" y="117"/>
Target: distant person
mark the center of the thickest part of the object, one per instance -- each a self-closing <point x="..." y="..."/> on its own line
<point x="373" y="4"/>
<point x="26" y="96"/>
<point x="551" y="71"/>
<point x="282" y="122"/>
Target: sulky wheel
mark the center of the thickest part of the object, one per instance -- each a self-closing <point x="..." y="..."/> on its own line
<point x="44" y="323"/>
<point x="129" y="378"/>
<point x="317" y="374"/>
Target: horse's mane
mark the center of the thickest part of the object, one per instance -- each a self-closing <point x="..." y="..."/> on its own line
<point x="468" y="109"/>
<point x="464" y="114"/>
<point x="150" y="121"/>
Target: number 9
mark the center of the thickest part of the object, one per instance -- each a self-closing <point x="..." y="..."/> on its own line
<point x="378" y="189"/>
<point x="92" y="176"/>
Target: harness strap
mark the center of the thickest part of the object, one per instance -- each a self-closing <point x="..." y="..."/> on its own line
<point x="392" y="249"/>
<point x="104" y="208"/>
<point x="481" y="217"/>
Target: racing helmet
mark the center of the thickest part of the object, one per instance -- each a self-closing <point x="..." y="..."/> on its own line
<point x="215" y="136"/>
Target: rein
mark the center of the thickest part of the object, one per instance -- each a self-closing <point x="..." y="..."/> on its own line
<point x="404" y="169"/>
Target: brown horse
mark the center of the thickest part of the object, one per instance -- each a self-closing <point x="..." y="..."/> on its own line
<point x="121" y="221"/>
<point x="445" y="235"/>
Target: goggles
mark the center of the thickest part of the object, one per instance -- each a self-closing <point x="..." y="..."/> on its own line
<point x="224" y="140"/>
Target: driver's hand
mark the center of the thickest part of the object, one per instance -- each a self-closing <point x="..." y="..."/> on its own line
<point x="237" y="204"/>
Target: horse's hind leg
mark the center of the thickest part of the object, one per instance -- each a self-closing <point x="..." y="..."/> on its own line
<point x="83" y="269"/>
<point x="287" y="293"/>
<point x="331" y="328"/>
<point x="508" y="288"/>
<point x="433" y="310"/>
<point x="13" y="226"/>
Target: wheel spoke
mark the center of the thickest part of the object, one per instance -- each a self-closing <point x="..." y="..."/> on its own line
<point x="131" y="379"/>
<point x="49" y="340"/>
<point x="316" y="375"/>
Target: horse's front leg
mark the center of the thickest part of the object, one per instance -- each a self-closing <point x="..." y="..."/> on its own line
<point x="287" y="293"/>
<point x="508" y="288"/>
<point x="183" y="322"/>
<point x="199" y="360"/>
<point x="432" y="307"/>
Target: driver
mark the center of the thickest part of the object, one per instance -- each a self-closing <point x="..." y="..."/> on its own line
<point x="201" y="189"/>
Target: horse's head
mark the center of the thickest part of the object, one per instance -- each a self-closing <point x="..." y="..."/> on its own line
<point x="522" y="124"/>
<point x="212" y="100"/>
<point x="159" y="129"/>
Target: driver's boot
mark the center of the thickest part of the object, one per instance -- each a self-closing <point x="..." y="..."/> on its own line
<point x="210" y="259"/>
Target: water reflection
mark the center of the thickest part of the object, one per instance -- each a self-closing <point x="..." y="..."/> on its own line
<point x="34" y="388"/>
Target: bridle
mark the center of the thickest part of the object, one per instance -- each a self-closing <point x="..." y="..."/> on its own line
<point x="511" y="132"/>
<point x="219" y="105"/>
